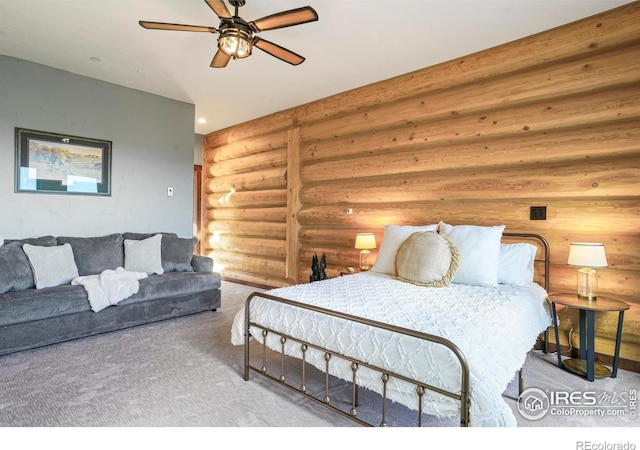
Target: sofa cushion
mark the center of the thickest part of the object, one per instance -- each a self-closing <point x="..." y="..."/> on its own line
<point x="16" y="272"/>
<point x="96" y="254"/>
<point x="174" y="284"/>
<point x="32" y="304"/>
<point x="44" y="241"/>
<point x="177" y="253"/>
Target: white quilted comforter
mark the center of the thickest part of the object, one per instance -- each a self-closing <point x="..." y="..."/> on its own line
<point x="493" y="327"/>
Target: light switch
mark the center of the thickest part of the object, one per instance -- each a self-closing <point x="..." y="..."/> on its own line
<point x="538" y="213"/>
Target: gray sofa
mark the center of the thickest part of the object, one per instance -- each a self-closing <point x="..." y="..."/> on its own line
<point x="33" y="316"/>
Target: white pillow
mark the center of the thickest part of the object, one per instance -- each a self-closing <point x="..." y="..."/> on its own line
<point x="392" y="238"/>
<point x="516" y="262"/>
<point x="144" y="255"/>
<point x="51" y="266"/>
<point x="479" y="252"/>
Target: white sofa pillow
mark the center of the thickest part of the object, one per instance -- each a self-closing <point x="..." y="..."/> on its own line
<point x="144" y="255"/>
<point x="516" y="262"/>
<point x="392" y="238"/>
<point x="479" y="252"/>
<point x="51" y="266"/>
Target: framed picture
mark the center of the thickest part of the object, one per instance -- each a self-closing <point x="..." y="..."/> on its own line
<point x="57" y="163"/>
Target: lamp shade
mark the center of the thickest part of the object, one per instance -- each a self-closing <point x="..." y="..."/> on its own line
<point x="587" y="254"/>
<point x="365" y="241"/>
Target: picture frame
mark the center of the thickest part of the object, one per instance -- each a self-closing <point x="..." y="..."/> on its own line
<point x="55" y="163"/>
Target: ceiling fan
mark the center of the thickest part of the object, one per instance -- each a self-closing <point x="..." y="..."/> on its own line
<point x="236" y="35"/>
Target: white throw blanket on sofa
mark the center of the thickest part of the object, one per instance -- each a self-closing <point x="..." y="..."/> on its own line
<point x="110" y="287"/>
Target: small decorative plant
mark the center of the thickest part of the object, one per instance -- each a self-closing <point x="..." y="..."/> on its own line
<point x="318" y="268"/>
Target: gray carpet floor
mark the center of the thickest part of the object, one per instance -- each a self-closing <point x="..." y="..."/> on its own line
<point x="184" y="373"/>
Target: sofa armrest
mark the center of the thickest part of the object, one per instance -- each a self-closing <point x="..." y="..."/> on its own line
<point x="202" y="263"/>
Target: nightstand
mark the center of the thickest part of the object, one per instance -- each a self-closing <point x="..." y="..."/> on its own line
<point x="586" y="365"/>
<point x="348" y="272"/>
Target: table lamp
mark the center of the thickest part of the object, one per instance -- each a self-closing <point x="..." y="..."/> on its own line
<point x="365" y="242"/>
<point x="587" y="255"/>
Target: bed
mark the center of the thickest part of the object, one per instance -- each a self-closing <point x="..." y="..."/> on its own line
<point x="445" y="351"/>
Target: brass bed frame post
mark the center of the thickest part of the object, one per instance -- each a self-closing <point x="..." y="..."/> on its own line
<point x="546" y="262"/>
<point x="420" y="392"/>
<point x="385" y="379"/>
<point x="303" y="386"/>
<point x="354" y="390"/>
<point x="283" y="340"/>
<point x="327" y="358"/>
<point x="247" y="336"/>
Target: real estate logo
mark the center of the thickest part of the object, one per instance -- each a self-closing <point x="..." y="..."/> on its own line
<point x="534" y="403"/>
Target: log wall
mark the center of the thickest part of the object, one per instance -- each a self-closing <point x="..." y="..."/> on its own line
<point x="549" y="120"/>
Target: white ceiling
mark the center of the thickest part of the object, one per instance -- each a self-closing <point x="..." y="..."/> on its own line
<point x="354" y="43"/>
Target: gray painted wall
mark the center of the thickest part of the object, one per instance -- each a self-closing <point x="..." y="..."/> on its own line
<point x="152" y="142"/>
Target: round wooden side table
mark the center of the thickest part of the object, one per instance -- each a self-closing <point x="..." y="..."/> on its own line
<point x="586" y="365"/>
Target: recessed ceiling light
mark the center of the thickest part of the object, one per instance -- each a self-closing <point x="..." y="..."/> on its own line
<point x="202" y="120"/>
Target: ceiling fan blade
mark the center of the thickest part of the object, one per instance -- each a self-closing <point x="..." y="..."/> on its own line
<point x="219" y="8"/>
<point x="285" y="19"/>
<point x="175" y="27"/>
<point x="220" y="60"/>
<point x="277" y="51"/>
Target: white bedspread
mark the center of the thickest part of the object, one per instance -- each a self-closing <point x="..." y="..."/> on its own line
<point x="110" y="287"/>
<point x="494" y="328"/>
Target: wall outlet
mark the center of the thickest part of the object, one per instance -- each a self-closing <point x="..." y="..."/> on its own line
<point x="169" y="192"/>
<point x="538" y="213"/>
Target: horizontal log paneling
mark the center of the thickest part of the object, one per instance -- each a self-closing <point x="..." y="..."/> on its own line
<point x="247" y="199"/>
<point x="595" y="108"/>
<point x="407" y="152"/>
<point x="252" y="279"/>
<point x="259" y="161"/>
<point x="239" y="149"/>
<point x="258" y="229"/>
<point x="549" y="120"/>
<point x="278" y="215"/>
<point x="571" y="78"/>
<point x="258" y="180"/>
<point x="581" y="216"/>
<point x="588" y="178"/>
<point x="251" y="246"/>
<point x="334" y="237"/>
<point x="253" y="264"/>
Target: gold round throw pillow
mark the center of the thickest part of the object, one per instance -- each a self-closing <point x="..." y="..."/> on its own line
<point x="427" y="259"/>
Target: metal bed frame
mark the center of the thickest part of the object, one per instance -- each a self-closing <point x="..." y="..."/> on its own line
<point x="385" y="373"/>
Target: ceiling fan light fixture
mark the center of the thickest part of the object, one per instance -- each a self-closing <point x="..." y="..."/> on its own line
<point x="235" y="42"/>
